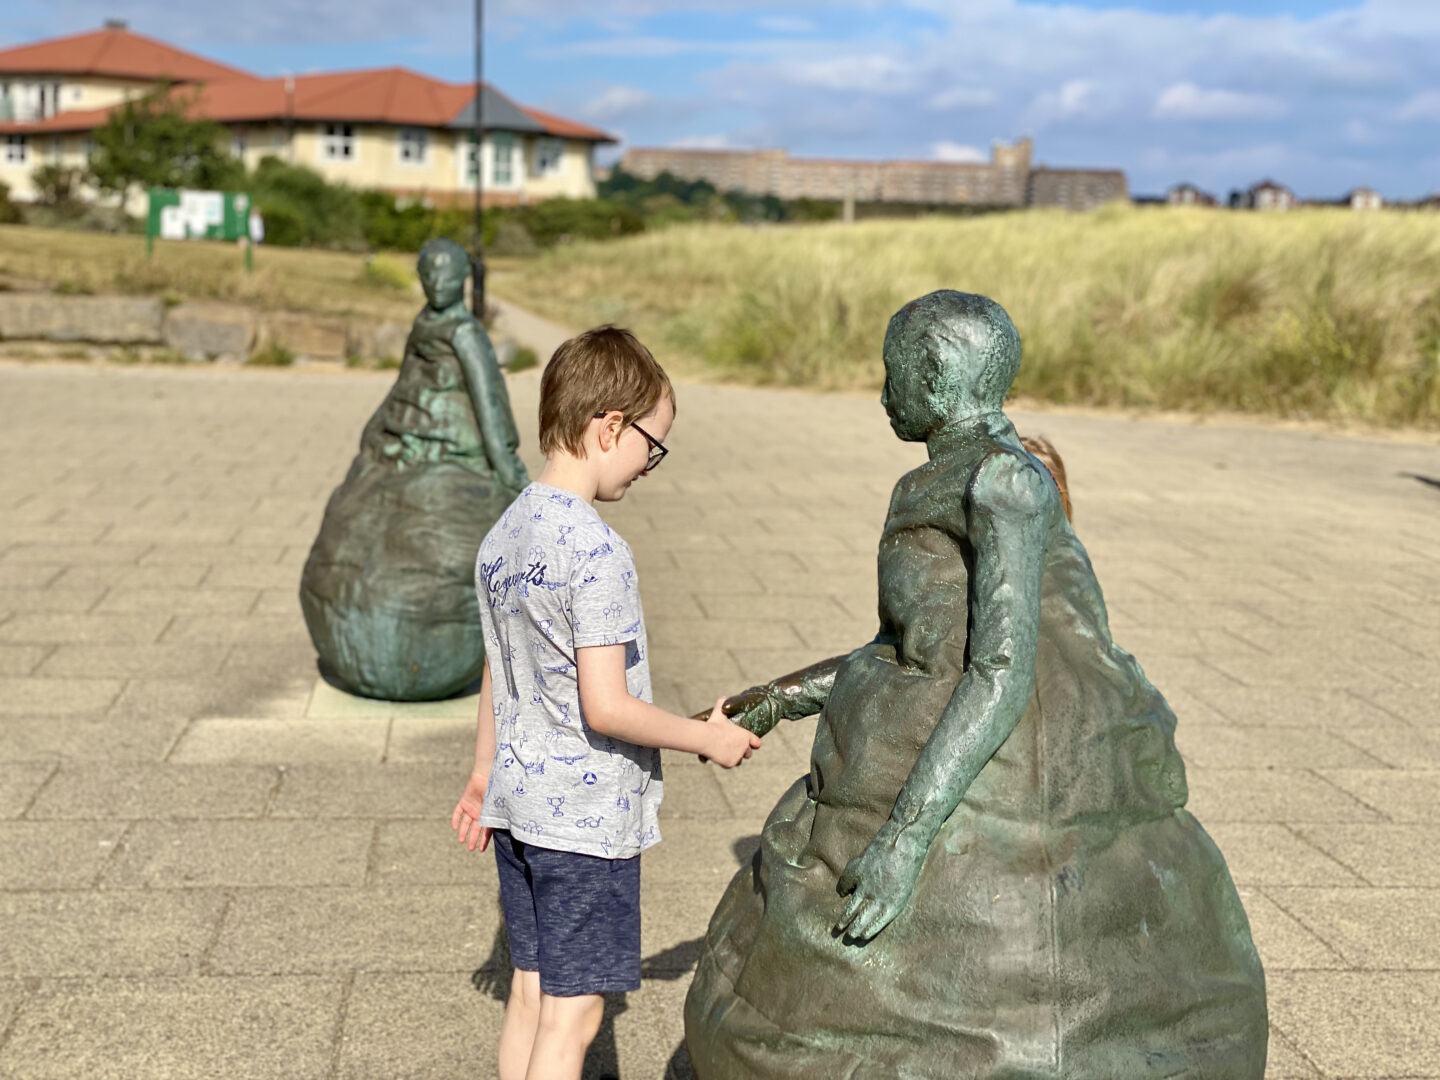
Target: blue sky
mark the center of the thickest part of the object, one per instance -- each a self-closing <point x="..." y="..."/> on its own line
<point x="1322" y="94"/>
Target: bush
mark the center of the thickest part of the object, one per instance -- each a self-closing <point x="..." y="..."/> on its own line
<point x="272" y="355"/>
<point x="59" y="187"/>
<point x="301" y="208"/>
<point x="9" y="212"/>
<point x="524" y="359"/>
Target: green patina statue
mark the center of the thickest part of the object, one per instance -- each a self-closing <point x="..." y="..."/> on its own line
<point x="988" y="871"/>
<point x="389" y="588"/>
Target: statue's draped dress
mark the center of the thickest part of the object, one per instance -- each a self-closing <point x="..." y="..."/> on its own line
<point x="1071" y="920"/>
<point x="389" y="588"/>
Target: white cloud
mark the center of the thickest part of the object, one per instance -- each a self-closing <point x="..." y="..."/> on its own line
<point x="946" y="150"/>
<point x="961" y="97"/>
<point x="1186" y="101"/>
<point x="786" y="24"/>
<point x="1423" y="106"/>
<point x="618" y="101"/>
<point x="704" y="142"/>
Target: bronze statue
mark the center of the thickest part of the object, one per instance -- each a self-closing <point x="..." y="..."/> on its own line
<point x="389" y="588"/>
<point x="988" y="871"/>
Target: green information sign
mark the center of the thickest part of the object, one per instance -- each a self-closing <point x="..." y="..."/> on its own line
<point x="198" y="215"/>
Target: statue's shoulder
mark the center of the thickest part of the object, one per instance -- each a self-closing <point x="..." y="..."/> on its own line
<point x="1010" y="483"/>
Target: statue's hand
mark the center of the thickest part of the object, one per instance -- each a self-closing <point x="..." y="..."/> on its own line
<point x="879" y="883"/>
<point x="757" y="709"/>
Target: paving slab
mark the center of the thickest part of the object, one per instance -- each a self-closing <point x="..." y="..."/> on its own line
<point x="1272" y="795"/>
<point x="1360" y="1024"/>
<point x="1379" y="929"/>
<point x="240" y="1029"/>
<point x="54" y="855"/>
<point x="419" y="1027"/>
<point x="1383" y="855"/>
<point x="83" y="791"/>
<point x="240" y="853"/>
<point x="1398" y="794"/>
<point x="20" y="783"/>
<point x="393" y="791"/>
<point x="283" y="742"/>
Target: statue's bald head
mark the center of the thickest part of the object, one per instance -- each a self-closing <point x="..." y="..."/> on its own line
<point x="443" y="267"/>
<point x="948" y="355"/>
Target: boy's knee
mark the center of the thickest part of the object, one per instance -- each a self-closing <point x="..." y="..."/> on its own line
<point x="575" y="1018"/>
<point x="525" y="990"/>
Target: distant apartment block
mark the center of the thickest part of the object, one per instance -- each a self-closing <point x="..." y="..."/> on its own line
<point x="1006" y="180"/>
<point x="1188" y="195"/>
<point x="390" y="129"/>
<point x="1266" y="195"/>
<point x="1364" y="198"/>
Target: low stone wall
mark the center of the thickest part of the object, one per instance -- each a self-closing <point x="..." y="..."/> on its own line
<point x="198" y="331"/>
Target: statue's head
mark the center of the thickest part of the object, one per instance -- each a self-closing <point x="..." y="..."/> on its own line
<point x="443" y="267"/>
<point x="948" y="356"/>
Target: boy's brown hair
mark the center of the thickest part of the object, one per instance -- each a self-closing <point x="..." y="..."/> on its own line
<point x="1042" y="448"/>
<point x="602" y="369"/>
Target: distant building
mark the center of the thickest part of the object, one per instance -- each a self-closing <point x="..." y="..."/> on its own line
<point x="1005" y="180"/>
<point x="390" y="129"/>
<point x="1266" y="195"/>
<point x="1364" y="198"/>
<point x="1188" y="195"/>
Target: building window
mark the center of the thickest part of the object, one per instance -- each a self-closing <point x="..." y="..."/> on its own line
<point x="54" y="150"/>
<point x="17" y="150"/>
<point x="239" y="142"/>
<point x="472" y="159"/>
<point x="413" y="143"/>
<point x="339" y="142"/>
<point x="548" y="155"/>
<point x="503" y="145"/>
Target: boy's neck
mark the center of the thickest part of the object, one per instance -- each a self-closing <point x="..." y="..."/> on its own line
<point x="570" y="473"/>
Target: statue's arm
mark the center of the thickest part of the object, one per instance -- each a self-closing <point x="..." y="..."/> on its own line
<point x="801" y="693"/>
<point x="1009" y="509"/>
<point x="492" y="404"/>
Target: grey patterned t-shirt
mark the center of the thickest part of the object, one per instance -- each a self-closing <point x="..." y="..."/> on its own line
<point x="552" y="578"/>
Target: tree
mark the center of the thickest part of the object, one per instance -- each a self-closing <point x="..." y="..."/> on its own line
<point x="153" y="141"/>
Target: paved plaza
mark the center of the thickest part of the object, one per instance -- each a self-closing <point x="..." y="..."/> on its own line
<point x="215" y="865"/>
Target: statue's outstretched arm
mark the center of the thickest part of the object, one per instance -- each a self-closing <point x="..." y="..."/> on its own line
<point x="1009" y="510"/>
<point x="492" y="405"/>
<point x="790" y="697"/>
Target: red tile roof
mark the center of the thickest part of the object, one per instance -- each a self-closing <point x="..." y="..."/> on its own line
<point x="115" y="53"/>
<point x="384" y="96"/>
<point x="558" y="125"/>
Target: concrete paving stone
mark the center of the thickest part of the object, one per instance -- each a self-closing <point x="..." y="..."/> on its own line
<point x="55" y="533"/>
<point x="1284" y="1063"/>
<point x="52" y="601"/>
<point x="281" y="742"/>
<point x="1288" y="706"/>
<point x="276" y="602"/>
<point x="1384" y="855"/>
<point x="325" y="930"/>
<point x="656" y="581"/>
<point x="27" y="695"/>
<point x="1419" y="705"/>
<point x="179" y="601"/>
<point x="1400" y="746"/>
<point x="1283" y="942"/>
<point x="240" y="1029"/>
<point x="1268" y="855"/>
<point x="252" y="659"/>
<point x="21" y="659"/>
<point x="1219" y="747"/>
<point x="1398" y="794"/>
<point x="1383" y="929"/>
<point x="761" y="564"/>
<point x="752" y="790"/>
<point x="747" y="609"/>
<point x="682" y="665"/>
<point x="12" y="995"/>
<point x="1360" y="1024"/>
<point x="834" y="638"/>
<point x="423" y="792"/>
<point x="103" y="553"/>
<point x="200" y="533"/>
<point x="240" y="853"/>
<point x="86" y="737"/>
<point x="20" y="781"/>
<point x="330" y="701"/>
<point x="143" y="661"/>
<point x="1271" y="795"/>
<point x="669" y="633"/>
<point x="146" y="790"/>
<point x="692" y="790"/>
<point x="51" y="855"/>
<point x="419" y="1027"/>
<point x="448" y="740"/>
<point x="224" y="574"/>
<point x="227" y="693"/>
<point x="210" y="554"/>
<point x="85" y="576"/>
<point x="130" y="932"/>
<point x="239" y="629"/>
<point x="761" y="665"/>
<point x="426" y="853"/>
<point x="279" y="536"/>
<point x="45" y="629"/>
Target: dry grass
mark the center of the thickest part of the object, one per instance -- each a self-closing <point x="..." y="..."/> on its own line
<point x="1316" y="313"/>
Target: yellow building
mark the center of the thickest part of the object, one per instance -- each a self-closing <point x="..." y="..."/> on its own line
<point x="391" y="129"/>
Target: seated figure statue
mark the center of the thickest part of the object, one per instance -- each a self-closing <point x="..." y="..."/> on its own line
<point x="389" y="588"/>
<point x="989" y="871"/>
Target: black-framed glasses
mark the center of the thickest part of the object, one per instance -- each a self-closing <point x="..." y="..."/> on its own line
<point x="657" y="448"/>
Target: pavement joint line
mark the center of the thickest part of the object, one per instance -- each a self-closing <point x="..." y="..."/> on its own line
<point x="1350" y="795"/>
<point x="116" y="848"/>
<point x="202" y="962"/>
<point x="30" y="984"/>
<point x="1238" y="636"/>
<point x="342" y="1013"/>
<point x="35" y="798"/>
<point x="177" y="740"/>
<point x="1342" y="733"/>
<point x="271" y="796"/>
<point x="1293" y="1046"/>
<point x="1290" y="828"/>
<point x="1350" y="965"/>
<point x="104" y="595"/>
<point x="160" y="637"/>
<point x="1350" y="691"/>
<point x="389" y="734"/>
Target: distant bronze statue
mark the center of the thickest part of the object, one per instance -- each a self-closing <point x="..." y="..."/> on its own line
<point x="389" y="588"/>
<point x="988" y="871"/>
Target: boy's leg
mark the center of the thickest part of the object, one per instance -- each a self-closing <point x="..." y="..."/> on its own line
<point x="568" y="1025"/>
<point x="517" y="1030"/>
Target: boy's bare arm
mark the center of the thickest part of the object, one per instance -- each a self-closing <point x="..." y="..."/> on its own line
<point x="610" y="708"/>
<point x="466" y="818"/>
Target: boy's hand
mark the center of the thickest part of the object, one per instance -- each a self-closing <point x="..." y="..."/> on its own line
<point x="466" y="818"/>
<point x="730" y="743"/>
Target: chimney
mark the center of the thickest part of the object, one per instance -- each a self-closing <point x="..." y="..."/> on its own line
<point x="116" y="24"/>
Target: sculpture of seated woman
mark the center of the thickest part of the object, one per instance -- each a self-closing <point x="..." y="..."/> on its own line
<point x="988" y="871"/>
<point x="389" y="588"/>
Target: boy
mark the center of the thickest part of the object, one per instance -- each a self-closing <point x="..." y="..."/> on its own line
<point x="567" y="750"/>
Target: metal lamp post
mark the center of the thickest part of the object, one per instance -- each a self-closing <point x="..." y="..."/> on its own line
<point x="477" y="258"/>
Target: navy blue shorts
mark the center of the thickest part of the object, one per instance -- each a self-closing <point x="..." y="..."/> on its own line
<point x="573" y="918"/>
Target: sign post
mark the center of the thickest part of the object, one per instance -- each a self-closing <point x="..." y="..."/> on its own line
<point x="198" y="215"/>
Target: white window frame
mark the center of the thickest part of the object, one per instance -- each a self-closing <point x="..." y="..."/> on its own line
<point x="412" y="146"/>
<point x="508" y="141"/>
<point x="549" y="155"/>
<point x="338" y="142"/>
<point x="239" y="142"/>
<point x="17" y="149"/>
<point x="470" y="161"/>
<point x="55" y="150"/>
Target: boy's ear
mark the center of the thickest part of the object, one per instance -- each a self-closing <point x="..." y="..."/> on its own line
<point x="608" y="430"/>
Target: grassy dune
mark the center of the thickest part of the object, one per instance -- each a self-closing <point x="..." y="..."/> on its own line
<point x="1315" y="313"/>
